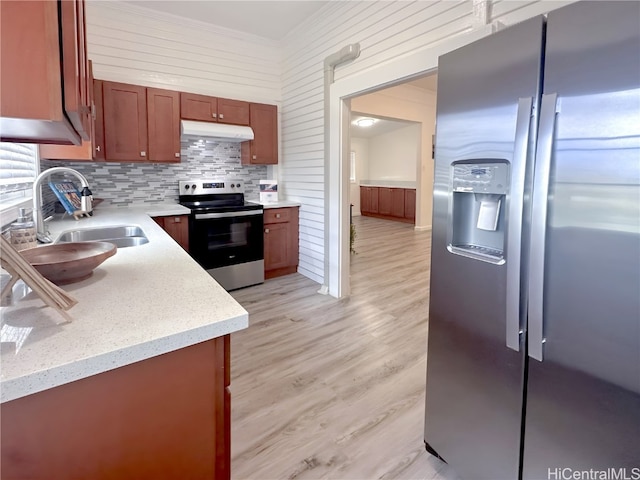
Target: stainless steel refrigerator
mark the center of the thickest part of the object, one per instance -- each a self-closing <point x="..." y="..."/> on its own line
<point x="533" y="362"/>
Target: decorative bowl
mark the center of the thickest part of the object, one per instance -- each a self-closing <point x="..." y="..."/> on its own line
<point x="64" y="263"/>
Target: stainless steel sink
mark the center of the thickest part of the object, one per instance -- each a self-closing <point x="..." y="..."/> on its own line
<point x="121" y="236"/>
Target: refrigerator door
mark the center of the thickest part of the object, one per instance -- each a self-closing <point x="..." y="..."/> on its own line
<point x="474" y="380"/>
<point x="583" y="401"/>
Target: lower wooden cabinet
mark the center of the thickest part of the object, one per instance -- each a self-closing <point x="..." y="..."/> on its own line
<point x="390" y="203"/>
<point x="164" y="417"/>
<point x="177" y="226"/>
<point x="281" y="227"/>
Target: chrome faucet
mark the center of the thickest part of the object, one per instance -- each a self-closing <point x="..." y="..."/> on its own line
<point x="86" y="198"/>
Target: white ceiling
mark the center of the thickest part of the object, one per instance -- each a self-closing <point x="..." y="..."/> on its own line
<point x="382" y="125"/>
<point x="273" y="20"/>
<point x="270" y="19"/>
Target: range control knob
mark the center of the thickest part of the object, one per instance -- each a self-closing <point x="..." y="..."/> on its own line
<point x="193" y="187"/>
<point x="186" y="187"/>
<point x="233" y="186"/>
<point x="238" y="185"/>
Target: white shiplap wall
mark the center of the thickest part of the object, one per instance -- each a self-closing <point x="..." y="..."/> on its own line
<point x="385" y="30"/>
<point x="136" y="45"/>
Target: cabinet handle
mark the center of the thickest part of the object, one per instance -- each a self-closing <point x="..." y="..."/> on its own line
<point x="277" y="215"/>
<point x="177" y="220"/>
<point x="143" y="154"/>
<point x="266" y="230"/>
<point x="177" y="155"/>
<point x="214" y="115"/>
<point x="98" y="148"/>
<point x="221" y="115"/>
<point x="255" y="157"/>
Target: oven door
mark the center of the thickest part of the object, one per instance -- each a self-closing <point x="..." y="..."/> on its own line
<point x="219" y="239"/>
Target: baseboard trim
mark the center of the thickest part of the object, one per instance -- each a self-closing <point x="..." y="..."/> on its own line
<point x="424" y="228"/>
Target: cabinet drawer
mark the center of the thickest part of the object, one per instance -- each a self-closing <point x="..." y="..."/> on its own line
<point x="277" y="215"/>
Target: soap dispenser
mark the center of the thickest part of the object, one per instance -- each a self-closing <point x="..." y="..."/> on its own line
<point x="23" y="232"/>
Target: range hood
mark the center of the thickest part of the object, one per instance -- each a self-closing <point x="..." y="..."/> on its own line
<point x="219" y="131"/>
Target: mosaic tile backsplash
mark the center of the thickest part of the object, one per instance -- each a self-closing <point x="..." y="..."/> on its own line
<point x="124" y="184"/>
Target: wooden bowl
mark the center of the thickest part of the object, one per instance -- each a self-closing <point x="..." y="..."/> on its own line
<point x="64" y="263"/>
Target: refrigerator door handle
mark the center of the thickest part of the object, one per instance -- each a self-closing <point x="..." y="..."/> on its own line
<point x="548" y="110"/>
<point x="514" y="233"/>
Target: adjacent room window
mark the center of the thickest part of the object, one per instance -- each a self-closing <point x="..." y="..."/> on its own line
<point x="18" y="169"/>
<point x="352" y="175"/>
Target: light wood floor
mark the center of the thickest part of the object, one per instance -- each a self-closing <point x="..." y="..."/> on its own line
<point x="334" y="389"/>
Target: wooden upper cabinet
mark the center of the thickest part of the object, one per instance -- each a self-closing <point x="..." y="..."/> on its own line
<point x="198" y="107"/>
<point x="213" y="109"/>
<point x="263" y="149"/>
<point x="43" y="72"/>
<point x="234" y="112"/>
<point x="87" y="149"/>
<point x="125" y="122"/>
<point x="74" y="55"/>
<point x="98" y="126"/>
<point x="163" y="123"/>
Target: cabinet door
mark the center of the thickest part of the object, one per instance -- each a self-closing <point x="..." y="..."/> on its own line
<point x="281" y="242"/>
<point x="234" y="112"/>
<point x="74" y="66"/>
<point x="276" y="252"/>
<point x="410" y="204"/>
<point x="384" y="201"/>
<point x="84" y="151"/>
<point x="368" y="200"/>
<point x="397" y="202"/>
<point x="178" y="228"/>
<point x="263" y="149"/>
<point x="31" y="97"/>
<point x="98" y="142"/>
<point x="125" y="122"/>
<point x="198" y="107"/>
<point x="163" y="123"/>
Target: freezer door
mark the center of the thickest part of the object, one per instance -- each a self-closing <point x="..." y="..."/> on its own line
<point x="583" y="404"/>
<point x="474" y="380"/>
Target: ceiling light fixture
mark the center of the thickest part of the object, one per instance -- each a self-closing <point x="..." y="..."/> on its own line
<point x="365" y="122"/>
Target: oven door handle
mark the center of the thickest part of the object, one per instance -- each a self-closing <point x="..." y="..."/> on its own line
<point x="206" y="216"/>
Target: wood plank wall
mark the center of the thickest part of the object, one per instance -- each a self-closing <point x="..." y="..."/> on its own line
<point x="135" y="45"/>
<point x="385" y="31"/>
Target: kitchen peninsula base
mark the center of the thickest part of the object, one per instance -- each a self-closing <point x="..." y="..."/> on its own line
<point x="164" y="417"/>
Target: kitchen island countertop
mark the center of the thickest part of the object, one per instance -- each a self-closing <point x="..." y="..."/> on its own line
<point x="144" y="301"/>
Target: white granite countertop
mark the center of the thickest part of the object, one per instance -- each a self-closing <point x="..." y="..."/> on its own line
<point x="144" y="301"/>
<point x="279" y="204"/>
<point x="388" y="183"/>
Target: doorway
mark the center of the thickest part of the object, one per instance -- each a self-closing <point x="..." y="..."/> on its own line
<point x="390" y="151"/>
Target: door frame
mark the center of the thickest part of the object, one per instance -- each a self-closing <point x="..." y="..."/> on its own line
<point x="400" y="70"/>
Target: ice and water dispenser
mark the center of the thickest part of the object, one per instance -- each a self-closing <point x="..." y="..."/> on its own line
<point x="478" y="191"/>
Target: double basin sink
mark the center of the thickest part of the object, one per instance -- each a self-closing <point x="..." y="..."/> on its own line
<point x="121" y="236"/>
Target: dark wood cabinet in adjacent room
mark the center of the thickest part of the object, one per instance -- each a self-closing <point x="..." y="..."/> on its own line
<point x="410" y="204"/>
<point x="368" y="200"/>
<point x="390" y="203"/>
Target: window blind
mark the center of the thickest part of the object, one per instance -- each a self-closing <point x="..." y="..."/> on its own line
<point x="18" y="167"/>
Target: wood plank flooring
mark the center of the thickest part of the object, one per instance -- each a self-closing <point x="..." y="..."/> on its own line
<point x="334" y="389"/>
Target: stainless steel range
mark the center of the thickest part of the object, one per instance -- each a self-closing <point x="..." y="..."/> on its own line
<point x="225" y="231"/>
